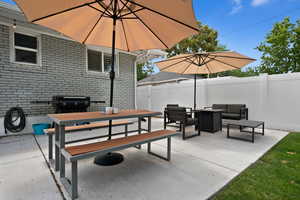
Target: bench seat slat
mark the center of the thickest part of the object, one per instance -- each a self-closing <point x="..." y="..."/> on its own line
<point x="99" y="146"/>
<point x="89" y="126"/>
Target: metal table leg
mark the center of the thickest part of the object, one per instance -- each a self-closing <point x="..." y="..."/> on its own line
<point x="149" y="130"/>
<point x="56" y="147"/>
<point x="139" y="131"/>
<point x="61" y="146"/>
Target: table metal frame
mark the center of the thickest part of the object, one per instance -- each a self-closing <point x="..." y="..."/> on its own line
<point x="242" y="127"/>
<point x="60" y="142"/>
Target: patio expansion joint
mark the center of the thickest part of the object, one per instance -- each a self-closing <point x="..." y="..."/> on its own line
<point x="49" y="168"/>
<point x="214" y="163"/>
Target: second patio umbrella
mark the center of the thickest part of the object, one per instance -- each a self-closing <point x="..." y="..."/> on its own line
<point x="123" y="24"/>
<point x="204" y="63"/>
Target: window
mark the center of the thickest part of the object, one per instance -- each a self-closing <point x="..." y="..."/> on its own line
<point x="108" y="62"/>
<point x="25" y="48"/>
<point x="99" y="61"/>
<point x="94" y="61"/>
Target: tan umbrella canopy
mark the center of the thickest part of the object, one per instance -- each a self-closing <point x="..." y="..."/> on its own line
<point x="128" y="25"/>
<point x="140" y="24"/>
<point x="204" y="63"/>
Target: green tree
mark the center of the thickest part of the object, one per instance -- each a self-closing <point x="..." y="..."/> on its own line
<point x="144" y="69"/>
<point x="206" y="40"/>
<point x="239" y="73"/>
<point x="280" y="50"/>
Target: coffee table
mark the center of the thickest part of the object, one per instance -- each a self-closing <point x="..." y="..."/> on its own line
<point x="244" y="124"/>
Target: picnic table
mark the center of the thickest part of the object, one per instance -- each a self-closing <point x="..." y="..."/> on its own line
<point x="88" y="150"/>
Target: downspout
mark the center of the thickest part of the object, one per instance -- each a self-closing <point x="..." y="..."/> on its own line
<point x="135" y="83"/>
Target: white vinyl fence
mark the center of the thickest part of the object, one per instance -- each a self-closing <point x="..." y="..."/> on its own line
<point x="274" y="99"/>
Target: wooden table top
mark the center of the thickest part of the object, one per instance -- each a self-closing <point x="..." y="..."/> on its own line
<point x="71" y="118"/>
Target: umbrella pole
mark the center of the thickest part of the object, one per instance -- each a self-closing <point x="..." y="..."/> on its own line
<point x="111" y="158"/>
<point x="195" y="91"/>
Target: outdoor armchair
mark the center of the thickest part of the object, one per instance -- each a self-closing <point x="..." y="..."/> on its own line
<point x="181" y="116"/>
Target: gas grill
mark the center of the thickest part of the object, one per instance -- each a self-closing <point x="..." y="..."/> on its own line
<point x="69" y="104"/>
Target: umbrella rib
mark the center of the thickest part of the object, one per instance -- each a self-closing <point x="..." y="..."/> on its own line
<point x="186" y="68"/>
<point x="193" y="61"/>
<point x="225" y="63"/>
<point x="236" y="57"/>
<point x="121" y="16"/>
<point x="173" y="59"/>
<point x="174" y="64"/>
<point x="208" y="68"/>
<point x="123" y="27"/>
<point x="182" y="23"/>
<point x="60" y="12"/>
<point x="205" y="62"/>
<point x="146" y="26"/>
<point x="119" y="12"/>
<point x="106" y="10"/>
<point x="98" y="10"/>
<point x="125" y="34"/>
<point x="88" y="35"/>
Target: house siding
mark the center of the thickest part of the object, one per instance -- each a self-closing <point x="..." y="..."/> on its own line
<point x="62" y="72"/>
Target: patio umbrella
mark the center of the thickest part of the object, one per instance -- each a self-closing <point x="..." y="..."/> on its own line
<point x="204" y="63"/>
<point x="128" y="25"/>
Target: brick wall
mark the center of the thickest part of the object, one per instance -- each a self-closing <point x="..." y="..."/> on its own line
<point x="63" y="72"/>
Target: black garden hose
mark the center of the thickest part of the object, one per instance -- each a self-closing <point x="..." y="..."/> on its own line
<point x="14" y="120"/>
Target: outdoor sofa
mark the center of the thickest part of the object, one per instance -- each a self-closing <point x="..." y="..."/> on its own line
<point x="232" y="111"/>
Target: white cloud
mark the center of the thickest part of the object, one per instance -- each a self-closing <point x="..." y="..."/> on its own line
<point x="259" y="2"/>
<point x="237" y="6"/>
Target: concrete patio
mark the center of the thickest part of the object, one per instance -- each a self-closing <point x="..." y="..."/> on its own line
<point x="199" y="167"/>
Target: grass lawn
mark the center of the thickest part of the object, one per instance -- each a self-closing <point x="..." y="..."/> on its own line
<point x="276" y="176"/>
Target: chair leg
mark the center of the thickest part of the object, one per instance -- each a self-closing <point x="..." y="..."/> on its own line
<point x="252" y="135"/>
<point x="183" y="131"/>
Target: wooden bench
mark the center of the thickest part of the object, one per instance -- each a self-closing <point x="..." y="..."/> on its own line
<point x="75" y="153"/>
<point x="50" y="132"/>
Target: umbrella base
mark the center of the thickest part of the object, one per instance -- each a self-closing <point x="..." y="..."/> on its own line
<point x="109" y="159"/>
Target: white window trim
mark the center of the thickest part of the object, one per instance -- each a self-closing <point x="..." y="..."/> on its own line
<point x="102" y="50"/>
<point x="13" y="47"/>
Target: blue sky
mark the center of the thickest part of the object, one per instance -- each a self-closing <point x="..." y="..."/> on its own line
<point x="243" y="24"/>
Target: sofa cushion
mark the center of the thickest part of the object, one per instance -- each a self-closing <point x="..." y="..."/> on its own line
<point x="220" y="106"/>
<point x="235" y="108"/>
<point x="230" y="116"/>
